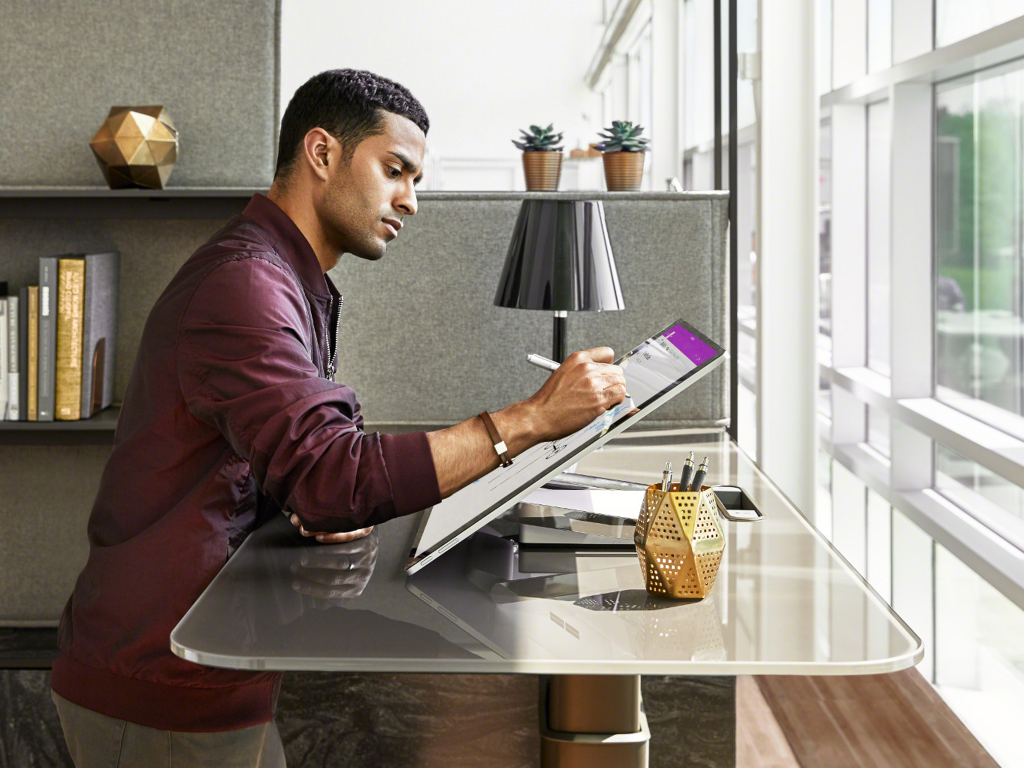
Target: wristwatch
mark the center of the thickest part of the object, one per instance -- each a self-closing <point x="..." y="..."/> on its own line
<point x="499" y="445"/>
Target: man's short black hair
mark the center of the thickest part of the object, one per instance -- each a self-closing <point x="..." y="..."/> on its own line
<point x="347" y="103"/>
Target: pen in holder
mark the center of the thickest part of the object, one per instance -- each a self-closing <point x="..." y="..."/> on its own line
<point x="679" y="540"/>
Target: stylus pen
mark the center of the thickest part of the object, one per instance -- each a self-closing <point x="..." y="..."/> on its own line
<point x="699" y="477"/>
<point x="542" y="362"/>
<point x="687" y="473"/>
<point x="548" y="365"/>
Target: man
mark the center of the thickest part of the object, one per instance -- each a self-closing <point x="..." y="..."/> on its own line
<point x="232" y="415"/>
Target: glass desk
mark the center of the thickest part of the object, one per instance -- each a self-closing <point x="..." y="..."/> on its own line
<point x="784" y="602"/>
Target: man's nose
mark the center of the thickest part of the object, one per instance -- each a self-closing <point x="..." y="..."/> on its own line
<point x="406" y="201"/>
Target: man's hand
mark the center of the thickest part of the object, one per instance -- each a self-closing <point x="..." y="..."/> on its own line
<point x="331" y="538"/>
<point x="581" y="389"/>
<point x="335" y="573"/>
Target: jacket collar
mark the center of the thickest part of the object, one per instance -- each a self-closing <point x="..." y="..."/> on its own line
<point x="292" y="244"/>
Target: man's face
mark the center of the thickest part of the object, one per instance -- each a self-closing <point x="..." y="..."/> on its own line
<point x="366" y="199"/>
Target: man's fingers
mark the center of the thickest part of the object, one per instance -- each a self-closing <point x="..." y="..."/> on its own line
<point x="615" y="394"/>
<point x="341" y="538"/>
<point x="330" y="538"/>
<point x="599" y="354"/>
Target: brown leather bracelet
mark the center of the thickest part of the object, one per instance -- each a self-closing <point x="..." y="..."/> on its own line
<point x="499" y="445"/>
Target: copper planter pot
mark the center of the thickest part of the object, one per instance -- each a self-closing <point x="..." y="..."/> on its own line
<point x="542" y="170"/>
<point x="623" y="171"/>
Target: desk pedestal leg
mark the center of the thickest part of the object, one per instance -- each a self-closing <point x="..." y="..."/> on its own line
<point x="592" y="721"/>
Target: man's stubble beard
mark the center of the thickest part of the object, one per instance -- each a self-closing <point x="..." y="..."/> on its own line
<point x="359" y="242"/>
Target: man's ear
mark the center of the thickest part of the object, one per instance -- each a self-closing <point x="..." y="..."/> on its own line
<point x="320" y="150"/>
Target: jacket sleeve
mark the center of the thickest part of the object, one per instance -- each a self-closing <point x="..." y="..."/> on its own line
<point x="245" y="370"/>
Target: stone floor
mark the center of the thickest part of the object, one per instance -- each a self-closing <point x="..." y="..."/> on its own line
<point x="356" y="720"/>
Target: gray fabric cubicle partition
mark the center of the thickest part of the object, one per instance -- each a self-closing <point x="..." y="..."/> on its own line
<point x="423" y="344"/>
<point x="214" y="65"/>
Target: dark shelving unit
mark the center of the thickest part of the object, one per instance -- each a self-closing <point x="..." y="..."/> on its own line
<point x="99" y="430"/>
<point x="100" y="202"/>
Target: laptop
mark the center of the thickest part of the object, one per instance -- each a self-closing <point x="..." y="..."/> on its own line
<point x="656" y="370"/>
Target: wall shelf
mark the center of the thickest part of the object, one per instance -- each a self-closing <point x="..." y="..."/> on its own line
<point x="224" y="202"/>
<point x="103" y="203"/>
<point x="99" y="430"/>
<point x="48" y="192"/>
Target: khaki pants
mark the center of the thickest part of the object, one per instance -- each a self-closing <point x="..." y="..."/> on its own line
<point x="98" y="741"/>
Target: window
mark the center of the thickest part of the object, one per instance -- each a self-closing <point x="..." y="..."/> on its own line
<point x="979" y="657"/>
<point x="698" y="94"/>
<point x="825" y="257"/>
<point x="879" y="35"/>
<point x="912" y="584"/>
<point x="824" y="399"/>
<point x="879" y="555"/>
<point x="849" y="521"/>
<point x="746" y="42"/>
<point x="824" y="52"/>
<point x="879" y="430"/>
<point x="823" y="495"/>
<point x="957" y="19"/>
<point x="825" y="229"/>
<point x="640" y="78"/>
<point x="983" y="494"/>
<point x="979" y="294"/>
<point x="934" y="318"/>
<point x="879" y="313"/>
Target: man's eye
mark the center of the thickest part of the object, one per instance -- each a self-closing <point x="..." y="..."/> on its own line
<point x="393" y="172"/>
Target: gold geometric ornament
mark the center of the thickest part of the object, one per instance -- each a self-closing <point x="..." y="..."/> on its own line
<point x="136" y="147"/>
<point x="679" y="540"/>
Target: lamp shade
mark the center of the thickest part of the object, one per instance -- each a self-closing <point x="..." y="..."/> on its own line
<point x="560" y="259"/>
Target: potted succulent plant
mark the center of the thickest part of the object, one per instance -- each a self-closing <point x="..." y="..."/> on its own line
<point x="623" y="154"/>
<point x="542" y="157"/>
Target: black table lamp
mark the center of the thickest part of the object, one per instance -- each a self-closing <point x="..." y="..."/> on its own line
<point x="560" y="260"/>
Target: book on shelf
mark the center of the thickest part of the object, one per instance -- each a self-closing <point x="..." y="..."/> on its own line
<point x="23" y="316"/>
<point x="4" y="388"/>
<point x="13" y="358"/>
<point x="58" y="340"/>
<point x="47" y="335"/>
<point x="67" y="391"/>
<point x="86" y="334"/>
<point x="99" y="331"/>
<point x="32" y="352"/>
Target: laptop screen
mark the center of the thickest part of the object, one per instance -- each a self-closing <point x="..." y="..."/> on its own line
<point x="657" y="370"/>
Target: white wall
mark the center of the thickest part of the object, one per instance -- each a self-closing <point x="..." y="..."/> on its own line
<point x="483" y="69"/>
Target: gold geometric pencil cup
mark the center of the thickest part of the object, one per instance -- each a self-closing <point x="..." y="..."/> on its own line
<point x="679" y="539"/>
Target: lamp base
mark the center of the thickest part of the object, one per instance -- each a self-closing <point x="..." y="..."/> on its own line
<point x="559" y="337"/>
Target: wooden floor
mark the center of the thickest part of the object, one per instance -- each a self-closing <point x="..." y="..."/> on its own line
<point x="760" y="742"/>
<point x="869" y="721"/>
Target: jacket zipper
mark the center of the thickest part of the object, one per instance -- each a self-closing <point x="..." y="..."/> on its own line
<point x="331" y="367"/>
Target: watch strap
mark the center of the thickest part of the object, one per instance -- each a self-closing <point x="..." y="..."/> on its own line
<point x="499" y="445"/>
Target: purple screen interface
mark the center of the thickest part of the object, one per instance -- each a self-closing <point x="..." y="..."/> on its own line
<point x="689" y="344"/>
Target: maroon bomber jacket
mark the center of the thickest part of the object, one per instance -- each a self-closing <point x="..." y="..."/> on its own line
<point x="229" y="416"/>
